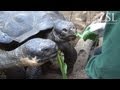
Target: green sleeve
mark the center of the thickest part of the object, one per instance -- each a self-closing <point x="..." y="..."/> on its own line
<point x="107" y="64"/>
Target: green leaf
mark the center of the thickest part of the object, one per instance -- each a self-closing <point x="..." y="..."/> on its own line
<point x="87" y="34"/>
<point x="62" y="64"/>
<point x="65" y="68"/>
<point x="78" y="34"/>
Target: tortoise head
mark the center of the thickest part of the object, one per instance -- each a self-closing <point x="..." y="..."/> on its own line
<point x="64" y="30"/>
<point x="42" y="49"/>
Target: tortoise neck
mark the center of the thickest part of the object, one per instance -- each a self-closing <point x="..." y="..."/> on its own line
<point x="51" y="36"/>
<point x="8" y="59"/>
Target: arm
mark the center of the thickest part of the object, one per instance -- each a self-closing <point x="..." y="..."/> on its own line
<point x="107" y="64"/>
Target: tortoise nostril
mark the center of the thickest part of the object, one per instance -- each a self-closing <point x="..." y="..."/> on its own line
<point x="73" y="29"/>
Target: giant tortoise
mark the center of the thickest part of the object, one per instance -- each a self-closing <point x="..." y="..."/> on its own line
<point x="13" y="62"/>
<point x="18" y="27"/>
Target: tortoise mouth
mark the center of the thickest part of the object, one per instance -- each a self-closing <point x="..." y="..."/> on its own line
<point x="69" y="38"/>
<point x="48" y="58"/>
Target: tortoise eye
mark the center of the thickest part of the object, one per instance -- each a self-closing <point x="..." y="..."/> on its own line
<point x="65" y="30"/>
<point x="46" y="49"/>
